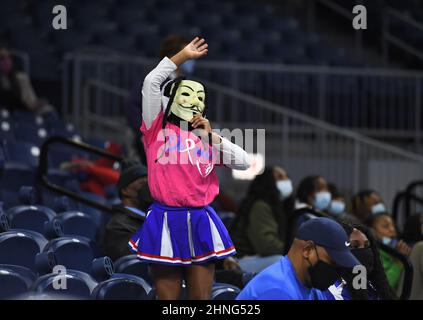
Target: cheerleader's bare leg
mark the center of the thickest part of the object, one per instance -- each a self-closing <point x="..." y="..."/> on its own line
<point x="168" y="281"/>
<point x="200" y="281"/>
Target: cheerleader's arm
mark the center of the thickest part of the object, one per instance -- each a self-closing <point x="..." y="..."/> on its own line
<point x="151" y="93"/>
<point x="232" y="155"/>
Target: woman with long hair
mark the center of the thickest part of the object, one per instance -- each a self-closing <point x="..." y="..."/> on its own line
<point x="260" y="228"/>
<point x="364" y="248"/>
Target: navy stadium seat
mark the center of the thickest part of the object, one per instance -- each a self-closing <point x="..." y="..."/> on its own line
<point x="77" y="223"/>
<point x="31" y="134"/>
<point x="6" y="130"/>
<point x="123" y="287"/>
<point x="223" y="291"/>
<point x="130" y="264"/>
<point x="14" y="283"/>
<point x="22" y="152"/>
<point x="30" y="217"/>
<point x="73" y="252"/>
<point x="77" y="286"/>
<point x="19" y="247"/>
<point x="28" y="118"/>
<point x="4" y="114"/>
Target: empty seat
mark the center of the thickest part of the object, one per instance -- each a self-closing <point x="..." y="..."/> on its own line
<point x="77" y="223"/>
<point x="130" y="264"/>
<point x="73" y="252"/>
<point x="31" y="134"/>
<point x="30" y="217"/>
<point x="22" y="152"/>
<point x="12" y="283"/>
<point x="123" y="287"/>
<point x="6" y="130"/>
<point x="14" y="176"/>
<point x="19" y="247"/>
<point x="73" y="285"/>
<point x="28" y="118"/>
<point x="223" y="291"/>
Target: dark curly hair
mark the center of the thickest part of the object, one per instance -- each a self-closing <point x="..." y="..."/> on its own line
<point x="377" y="277"/>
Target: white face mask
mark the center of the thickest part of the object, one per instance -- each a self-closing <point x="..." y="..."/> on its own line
<point x="337" y="207"/>
<point x="378" y="208"/>
<point x="285" y="188"/>
<point x="322" y="200"/>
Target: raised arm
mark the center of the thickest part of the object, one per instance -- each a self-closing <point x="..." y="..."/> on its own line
<point x="151" y="93"/>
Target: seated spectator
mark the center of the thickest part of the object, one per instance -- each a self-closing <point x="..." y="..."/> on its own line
<point x="385" y="231"/>
<point x="128" y="216"/>
<point x="310" y="266"/>
<point x="413" y="229"/>
<point x="365" y="204"/>
<point x="337" y="207"/>
<point x="16" y="91"/>
<point x="364" y="247"/>
<point x="313" y="191"/>
<point x="259" y="230"/>
<point x="96" y="175"/>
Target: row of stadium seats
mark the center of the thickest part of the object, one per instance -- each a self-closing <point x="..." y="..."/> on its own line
<point x="139" y="26"/>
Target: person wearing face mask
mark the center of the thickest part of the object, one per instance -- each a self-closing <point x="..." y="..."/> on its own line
<point x="337" y="207"/>
<point x="170" y="45"/>
<point x="313" y="192"/>
<point x="128" y="216"/>
<point x="16" y="91"/>
<point x="385" y="231"/>
<point x="364" y="248"/>
<point x="260" y="229"/>
<point x="365" y="204"/>
<point x="320" y="248"/>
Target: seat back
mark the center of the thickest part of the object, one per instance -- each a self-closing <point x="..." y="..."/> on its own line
<point x="72" y="252"/>
<point x="12" y="284"/>
<point x="18" y="247"/>
<point x="77" y="223"/>
<point x="130" y="264"/>
<point x="223" y="291"/>
<point x="30" y="217"/>
<point x="123" y="287"/>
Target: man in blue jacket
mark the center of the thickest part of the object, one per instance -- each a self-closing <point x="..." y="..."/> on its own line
<point x="319" y="248"/>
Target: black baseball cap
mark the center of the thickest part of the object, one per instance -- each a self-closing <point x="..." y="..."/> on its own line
<point x="330" y="235"/>
<point x="131" y="171"/>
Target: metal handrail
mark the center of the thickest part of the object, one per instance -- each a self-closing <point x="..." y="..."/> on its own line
<point x="262" y="67"/>
<point x="42" y="177"/>
<point x="269" y="106"/>
<point x="388" y="37"/>
<point x="405" y="18"/>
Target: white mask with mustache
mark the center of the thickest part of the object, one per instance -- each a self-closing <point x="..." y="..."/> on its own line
<point x="189" y="100"/>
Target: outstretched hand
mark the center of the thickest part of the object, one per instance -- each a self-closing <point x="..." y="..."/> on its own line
<point x="197" y="48"/>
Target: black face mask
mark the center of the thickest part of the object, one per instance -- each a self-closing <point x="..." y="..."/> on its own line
<point x="365" y="256"/>
<point x="322" y="274"/>
<point x="144" y="197"/>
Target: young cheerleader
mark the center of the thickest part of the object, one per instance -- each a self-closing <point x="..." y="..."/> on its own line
<point x="182" y="235"/>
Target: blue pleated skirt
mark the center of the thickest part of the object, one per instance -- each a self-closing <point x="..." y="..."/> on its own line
<point x="181" y="236"/>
